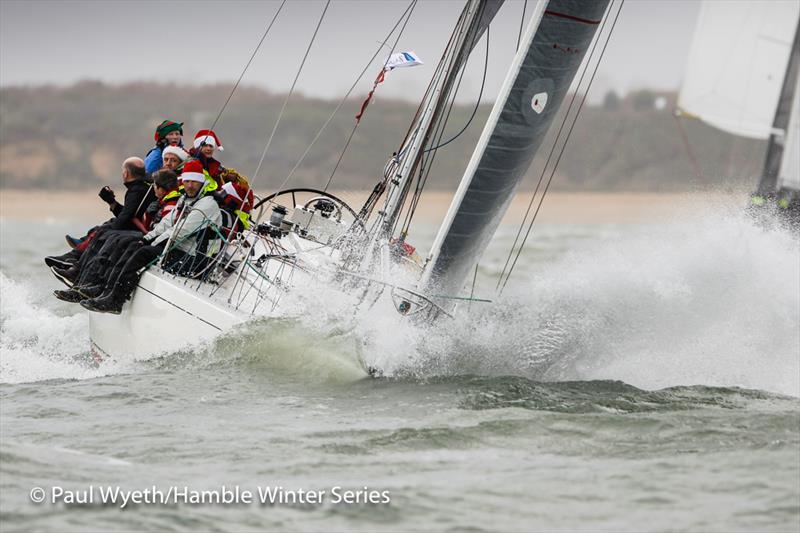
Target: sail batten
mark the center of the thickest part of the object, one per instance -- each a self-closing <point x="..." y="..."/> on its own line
<point x="542" y="71"/>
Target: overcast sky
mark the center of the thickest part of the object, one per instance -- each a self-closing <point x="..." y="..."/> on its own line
<point x="44" y="42"/>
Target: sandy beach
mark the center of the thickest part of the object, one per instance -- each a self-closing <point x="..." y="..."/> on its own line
<point x="558" y="207"/>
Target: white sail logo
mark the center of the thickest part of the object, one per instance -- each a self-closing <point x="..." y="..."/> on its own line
<point x="538" y="102"/>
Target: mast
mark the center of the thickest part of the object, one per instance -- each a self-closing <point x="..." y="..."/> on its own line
<point x="475" y="18"/>
<point x="779" y="135"/>
<point x="543" y="68"/>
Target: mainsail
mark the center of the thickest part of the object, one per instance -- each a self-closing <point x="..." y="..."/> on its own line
<point x="542" y="70"/>
<point x="737" y="64"/>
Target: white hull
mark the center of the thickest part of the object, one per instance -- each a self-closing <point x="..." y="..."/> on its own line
<point x="159" y="318"/>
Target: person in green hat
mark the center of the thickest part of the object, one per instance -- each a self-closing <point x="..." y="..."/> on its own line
<point x="168" y="133"/>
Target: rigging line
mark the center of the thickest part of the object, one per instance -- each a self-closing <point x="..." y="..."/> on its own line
<point x="411" y="5"/>
<point x="252" y="56"/>
<point x="566" y="141"/>
<point x="291" y="90"/>
<point x="430" y="101"/>
<point x="549" y="158"/>
<point x="521" y="24"/>
<point x="358" y="122"/>
<point x="427" y="165"/>
<point x="477" y="104"/>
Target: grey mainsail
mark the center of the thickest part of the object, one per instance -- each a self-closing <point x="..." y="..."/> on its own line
<point x="555" y="43"/>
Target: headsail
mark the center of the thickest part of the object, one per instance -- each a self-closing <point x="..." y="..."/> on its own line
<point x="737" y="64"/>
<point x="542" y="70"/>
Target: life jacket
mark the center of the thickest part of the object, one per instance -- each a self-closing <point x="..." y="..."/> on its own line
<point x="238" y="200"/>
<point x="165" y="205"/>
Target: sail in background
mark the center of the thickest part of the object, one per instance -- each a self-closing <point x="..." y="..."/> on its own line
<point x="737" y="63"/>
<point x="555" y="43"/>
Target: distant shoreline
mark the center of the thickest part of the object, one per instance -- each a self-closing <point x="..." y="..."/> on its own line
<point x="558" y="207"/>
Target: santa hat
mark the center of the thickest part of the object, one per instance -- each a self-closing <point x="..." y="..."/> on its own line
<point x="193" y="171"/>
<point x="166" y="127"/>
<point x="177" y="151"/>
<point x="207" y="137"/>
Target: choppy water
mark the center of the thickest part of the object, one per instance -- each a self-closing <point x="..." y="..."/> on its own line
<point x="633" y="377"/>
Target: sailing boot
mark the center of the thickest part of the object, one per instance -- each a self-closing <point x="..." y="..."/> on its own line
<point x="70" y="296"/>
<point x="74" y="242"/>
<point x="104" y="304"/>
<point x="89" y="291"/>
<point x="63" y="261"/>
<point x="112" y="299"/>
<point x="66" y="276"/>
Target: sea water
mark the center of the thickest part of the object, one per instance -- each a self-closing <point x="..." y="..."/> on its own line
<point x="636" y="377"/>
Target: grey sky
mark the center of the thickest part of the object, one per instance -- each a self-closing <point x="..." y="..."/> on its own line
<point x="44" y="42"/>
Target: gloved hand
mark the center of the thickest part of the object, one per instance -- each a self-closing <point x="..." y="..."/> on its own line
<point x="107" y="195"/>
<point x="147" y="240"/>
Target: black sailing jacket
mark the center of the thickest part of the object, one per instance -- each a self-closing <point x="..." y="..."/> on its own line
<point x="138" y="196"/>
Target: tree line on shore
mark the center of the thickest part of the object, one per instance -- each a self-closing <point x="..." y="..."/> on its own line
<point x="76" y="137"/>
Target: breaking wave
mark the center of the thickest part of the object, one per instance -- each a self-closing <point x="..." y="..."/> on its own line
<point x="36" y="343"/>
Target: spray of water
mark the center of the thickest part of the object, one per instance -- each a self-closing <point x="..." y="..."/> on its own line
<point x="37" y="344"/>
<point x="713" y="300"/>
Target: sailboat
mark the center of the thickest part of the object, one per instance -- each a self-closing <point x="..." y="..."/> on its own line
<point x="742" y="78"/>
<point x="303" y="237"/>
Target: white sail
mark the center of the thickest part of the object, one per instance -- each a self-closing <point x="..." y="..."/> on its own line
<point x="789" y="174"/>
<point x="737" y="62"/>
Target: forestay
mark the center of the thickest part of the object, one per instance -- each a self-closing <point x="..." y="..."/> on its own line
<point x="737" y="63"/>
<point x="548" y="57"/>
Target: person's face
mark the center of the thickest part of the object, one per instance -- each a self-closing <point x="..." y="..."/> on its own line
<point x="160" y="192"/>
<point x="207" y="149"/>
<point x="171" y="161"/>
<point x="192" y="188"/>
<point x="124" y="174"/>
<point x="173" y="138"/>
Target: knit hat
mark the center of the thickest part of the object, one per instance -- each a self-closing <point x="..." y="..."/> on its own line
<point x="166" y="127"/>
<point x="193" y="171"/>
<point x="207" y="137"/>
<point x="177" y="151"/>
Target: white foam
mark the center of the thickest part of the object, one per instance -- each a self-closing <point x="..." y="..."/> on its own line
<point x="711" y="300"/>
<point x="36" y="344"/>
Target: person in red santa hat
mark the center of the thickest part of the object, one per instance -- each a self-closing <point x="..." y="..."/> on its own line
<point x="205" y="142"/>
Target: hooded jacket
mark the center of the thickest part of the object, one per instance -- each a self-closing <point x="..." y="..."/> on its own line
<point x="189" y="216"/>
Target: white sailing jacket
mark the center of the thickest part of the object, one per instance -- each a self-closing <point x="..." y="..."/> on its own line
<point x="188" y="217"/>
